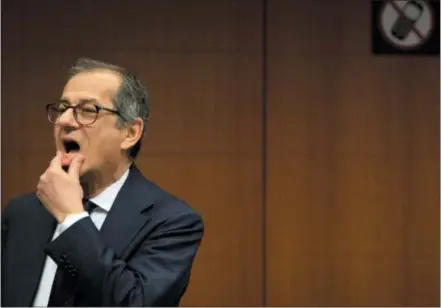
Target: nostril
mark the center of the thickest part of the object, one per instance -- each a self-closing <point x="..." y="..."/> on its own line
<point x="67" y="129"/>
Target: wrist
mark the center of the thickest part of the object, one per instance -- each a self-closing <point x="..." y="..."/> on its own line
<point x="70" y="220"/>
<point x="63" y="216"/>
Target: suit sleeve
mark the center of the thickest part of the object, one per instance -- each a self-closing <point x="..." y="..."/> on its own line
<point x="155" y="275"/>
<point x="4" y="234"/>
<point x="5" y="217"/>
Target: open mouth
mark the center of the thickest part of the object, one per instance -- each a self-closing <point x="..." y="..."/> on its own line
<point x="71" y="146"/>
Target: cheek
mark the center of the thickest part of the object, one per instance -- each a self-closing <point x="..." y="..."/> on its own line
<point x="105" y="147"/>
<point x="56" y="136"/>
<point x="56" y="132"/>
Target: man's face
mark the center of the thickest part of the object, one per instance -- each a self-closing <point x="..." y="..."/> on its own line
<point x="100" y="142"/>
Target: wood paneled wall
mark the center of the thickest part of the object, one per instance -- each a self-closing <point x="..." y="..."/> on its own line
<point x="315" y="164"/>
<point x="352" y="163"/>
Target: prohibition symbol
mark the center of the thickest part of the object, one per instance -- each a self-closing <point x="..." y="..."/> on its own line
<point x="406" y="24"/>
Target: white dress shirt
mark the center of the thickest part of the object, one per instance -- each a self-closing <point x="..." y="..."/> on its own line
<point x="104" y="202"/>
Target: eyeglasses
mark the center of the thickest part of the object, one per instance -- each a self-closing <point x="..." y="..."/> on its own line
<point x="84" y="113"/>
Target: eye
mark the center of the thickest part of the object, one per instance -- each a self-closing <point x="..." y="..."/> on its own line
<point x="87" y="109"/>
<point x="58" y="108"/>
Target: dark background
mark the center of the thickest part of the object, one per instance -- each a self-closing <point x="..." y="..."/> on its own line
<point x="314" y="163"/>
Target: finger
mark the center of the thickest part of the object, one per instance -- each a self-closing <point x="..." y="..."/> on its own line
<point x="39" y="190"/>
<point x="56" y="161"/>
<point x="74" y="169"/>
<point x="42" y="178"/>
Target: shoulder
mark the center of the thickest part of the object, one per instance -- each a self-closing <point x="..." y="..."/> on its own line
<point x="165" y="202"/>
<point x="174" y="217"/>
<point x="26" y="203"/>
<point x="166" y="206"/>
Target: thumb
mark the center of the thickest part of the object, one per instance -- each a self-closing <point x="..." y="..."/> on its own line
<point x="74" y="168"/>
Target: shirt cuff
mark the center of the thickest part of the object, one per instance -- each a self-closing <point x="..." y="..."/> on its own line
<point x="70" y="220"/>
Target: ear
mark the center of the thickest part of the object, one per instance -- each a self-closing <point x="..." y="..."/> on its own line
<point x="132" y="134"/>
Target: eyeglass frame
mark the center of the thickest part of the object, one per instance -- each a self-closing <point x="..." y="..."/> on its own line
<point x="67" y="105"/>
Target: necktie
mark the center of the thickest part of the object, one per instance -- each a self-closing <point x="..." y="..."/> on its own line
<point x="64" y="288"/>
<point x="89" y="206"/>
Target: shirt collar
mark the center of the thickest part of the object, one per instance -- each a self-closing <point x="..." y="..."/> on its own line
<point x="106" y="198"/>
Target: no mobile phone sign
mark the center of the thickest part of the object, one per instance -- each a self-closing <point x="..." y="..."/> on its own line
<point x="405" y="27"/>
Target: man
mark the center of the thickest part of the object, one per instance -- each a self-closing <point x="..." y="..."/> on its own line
<point x="96" y="232"/>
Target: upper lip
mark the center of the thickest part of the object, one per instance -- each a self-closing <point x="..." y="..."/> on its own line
<point x="67" y="139"/>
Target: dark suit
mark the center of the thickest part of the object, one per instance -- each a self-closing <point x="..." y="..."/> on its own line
<point x="141" y="257"/>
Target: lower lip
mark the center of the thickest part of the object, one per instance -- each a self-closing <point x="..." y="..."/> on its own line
<point x="67" y="158"/>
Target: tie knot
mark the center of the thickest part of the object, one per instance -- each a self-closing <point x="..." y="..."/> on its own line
<point x="89" y="206"/>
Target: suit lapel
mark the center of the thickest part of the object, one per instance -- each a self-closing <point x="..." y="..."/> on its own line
<point x="122" y="224"/>
<point x="126" y="216"/>
<point x="31" y="262"/>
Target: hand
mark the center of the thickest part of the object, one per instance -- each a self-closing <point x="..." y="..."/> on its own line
<point x="60" y="191"/>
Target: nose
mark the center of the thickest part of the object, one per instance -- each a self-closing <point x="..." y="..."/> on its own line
<point x="67" y="118"/>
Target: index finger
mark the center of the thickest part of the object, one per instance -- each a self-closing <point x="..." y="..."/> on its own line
<point x="56" y="161"/>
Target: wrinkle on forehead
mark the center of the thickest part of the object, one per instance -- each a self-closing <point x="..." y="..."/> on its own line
<point x="100" y="85"/>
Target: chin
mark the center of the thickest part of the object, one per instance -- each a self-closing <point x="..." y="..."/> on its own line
<point x="84" y="170"/>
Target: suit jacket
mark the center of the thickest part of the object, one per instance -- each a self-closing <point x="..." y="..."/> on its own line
<point x="142" y="256"/>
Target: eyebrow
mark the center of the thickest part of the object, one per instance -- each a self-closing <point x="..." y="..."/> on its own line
<point x="80" y="101"/>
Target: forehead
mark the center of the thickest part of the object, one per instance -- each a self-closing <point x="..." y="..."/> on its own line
<point x="99" y="85"/>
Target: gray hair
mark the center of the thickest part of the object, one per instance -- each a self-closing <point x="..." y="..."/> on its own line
<point x="131" y="99"/>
